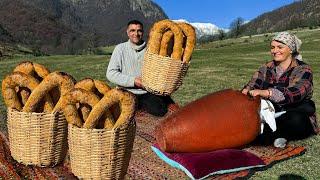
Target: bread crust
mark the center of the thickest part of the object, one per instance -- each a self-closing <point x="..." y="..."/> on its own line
<point x="64" y="81"/>
<point x="19" y="79"/>
<point x="114" y="96"/>
<point x="156" y="33"/>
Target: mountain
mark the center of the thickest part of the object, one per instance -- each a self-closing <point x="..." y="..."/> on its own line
<point x="71" y="26"/>
<point x="203" y="29"/>
<point x="304" y="13"/>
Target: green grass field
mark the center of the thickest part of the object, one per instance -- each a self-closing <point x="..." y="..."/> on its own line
<point x="214" y="66"/>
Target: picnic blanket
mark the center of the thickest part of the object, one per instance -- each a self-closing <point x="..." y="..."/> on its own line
<point x="144" y="163"/>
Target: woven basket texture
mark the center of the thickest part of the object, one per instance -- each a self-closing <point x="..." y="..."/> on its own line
<point x="162" y="75"/>
<point x="101" y="153"/>
<point x="37" y="138"/>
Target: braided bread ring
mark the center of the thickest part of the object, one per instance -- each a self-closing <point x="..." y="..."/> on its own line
<point x="33" y="69"/>
<point x="102" y="86"/>
<point x="25" y="67"/>
<point x="70" y="100"/>
<point x="62" y="80"/>
<point x="98" y="87"/>
<point x="156" y="35"/>
<point x="23" y="94"/>
<point x="85" y="111"/>
<point x="190" y="33"/>
<point x="23" y="80"/>
<point x="114" y="96"/>
<point x="86" y="84"/>
<point x="166" y="44"/>
<point x="36" y="70"/>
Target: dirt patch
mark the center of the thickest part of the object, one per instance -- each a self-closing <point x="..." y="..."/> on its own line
<point x="3" y="122"/>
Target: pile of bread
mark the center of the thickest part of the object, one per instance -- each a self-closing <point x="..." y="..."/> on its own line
<point x="89" y="103"/>
<point x="173" y="39"/>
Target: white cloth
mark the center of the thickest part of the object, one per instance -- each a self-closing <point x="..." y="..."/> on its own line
<point x="268" y="115"/>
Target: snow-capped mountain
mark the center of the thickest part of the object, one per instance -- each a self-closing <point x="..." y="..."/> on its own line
<point x="203" y="29"/>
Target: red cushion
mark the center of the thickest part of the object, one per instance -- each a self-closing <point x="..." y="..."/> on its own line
<point x="201" y="165"/>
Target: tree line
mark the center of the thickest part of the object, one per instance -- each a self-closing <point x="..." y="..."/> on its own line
<point x="300" y="14"/>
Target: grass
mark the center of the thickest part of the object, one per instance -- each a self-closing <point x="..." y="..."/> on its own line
<point x="214" y="66"/>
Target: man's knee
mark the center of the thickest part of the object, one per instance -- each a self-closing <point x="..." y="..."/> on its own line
<point x="154" y="105"/>
<point x="157" y="111"/>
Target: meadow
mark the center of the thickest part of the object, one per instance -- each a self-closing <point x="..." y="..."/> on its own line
<point x="214" y="66"/>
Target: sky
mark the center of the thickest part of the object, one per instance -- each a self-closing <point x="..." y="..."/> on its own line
<point x="218" y="12"/>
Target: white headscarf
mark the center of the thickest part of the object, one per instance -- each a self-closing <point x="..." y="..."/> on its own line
<point x="292" y="41"/>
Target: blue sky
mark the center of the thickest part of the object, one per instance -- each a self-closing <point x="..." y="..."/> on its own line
<point x="218" y="12"/>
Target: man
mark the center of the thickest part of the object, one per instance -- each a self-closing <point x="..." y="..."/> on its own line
<point x="125" y="66"/>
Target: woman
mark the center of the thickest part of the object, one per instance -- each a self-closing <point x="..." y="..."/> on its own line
<point x="287" y="82"/>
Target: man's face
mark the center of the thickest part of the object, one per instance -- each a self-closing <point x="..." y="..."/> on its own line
<point x="135" y="33"/>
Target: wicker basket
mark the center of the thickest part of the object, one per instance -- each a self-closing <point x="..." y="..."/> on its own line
<point x="37" y="138"/>
<point x="162" y="75"/>
<point x="100" y="153"/>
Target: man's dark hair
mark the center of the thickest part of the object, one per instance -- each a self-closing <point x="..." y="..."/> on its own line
<point x="135" y="22"/>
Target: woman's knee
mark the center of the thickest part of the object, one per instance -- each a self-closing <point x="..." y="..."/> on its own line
<point x="297" y="120"/>
<point x="295" y="125"/>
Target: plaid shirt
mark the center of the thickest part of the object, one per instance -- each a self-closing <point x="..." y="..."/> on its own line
<point x="295" y="84"/>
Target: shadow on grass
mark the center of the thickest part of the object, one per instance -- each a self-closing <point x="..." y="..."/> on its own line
<point x="291" y="176"/>
<point x="281" y="177"/>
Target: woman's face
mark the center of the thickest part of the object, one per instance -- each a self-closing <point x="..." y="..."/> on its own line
<point x="280" y="52"/>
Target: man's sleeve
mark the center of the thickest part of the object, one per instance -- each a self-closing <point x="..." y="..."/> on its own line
<point x="114" y="72"/>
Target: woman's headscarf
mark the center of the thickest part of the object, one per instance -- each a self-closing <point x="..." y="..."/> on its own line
<point x="292" y="41"/>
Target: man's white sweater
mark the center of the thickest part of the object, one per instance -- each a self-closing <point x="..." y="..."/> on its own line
<point x="125" y="65"/>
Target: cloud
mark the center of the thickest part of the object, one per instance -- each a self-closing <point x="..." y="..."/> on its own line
<point x="203" y="29"/>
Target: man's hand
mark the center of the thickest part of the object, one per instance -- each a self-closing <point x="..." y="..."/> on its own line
<point x="138" y="82"/>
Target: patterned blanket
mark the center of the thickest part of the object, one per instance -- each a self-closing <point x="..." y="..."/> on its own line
<point x="144" y="164"/>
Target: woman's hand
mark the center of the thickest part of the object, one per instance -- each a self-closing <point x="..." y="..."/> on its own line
<point x="258" y="92"/>
<point x="245" y="91"/>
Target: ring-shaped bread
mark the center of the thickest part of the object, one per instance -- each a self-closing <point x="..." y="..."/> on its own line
<point x="34" y="69"/>
<point x="18" y="79"/>
<point x="166" y="44"/>
<point x="93" y="85"/>
<point x="190" y="34"/>
<point x="70" y="101"/>
<point x="103" y="88"/>
<point x="156" y="33"/>
<point x="64" y="81"/>
<point x="99" y="88"/>
<point x="114" y="96"/>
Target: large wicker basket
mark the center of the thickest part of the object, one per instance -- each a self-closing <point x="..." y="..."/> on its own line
<point x="101" y="153"/>
<point x="37" y="138"/>
<point x="162" y="75"/>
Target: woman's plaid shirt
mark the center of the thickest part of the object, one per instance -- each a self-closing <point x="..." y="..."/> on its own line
<point x="295" y="83"/>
